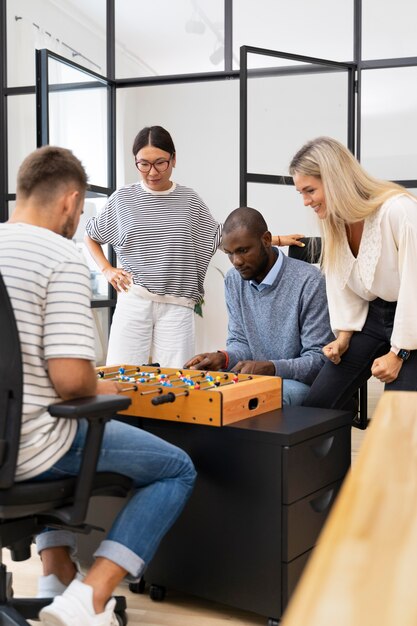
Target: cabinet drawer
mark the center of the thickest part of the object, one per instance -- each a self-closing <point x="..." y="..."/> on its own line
<point x="303" y="520"/>
<point x="314" y="463"/>
<point x="291" y="573"/>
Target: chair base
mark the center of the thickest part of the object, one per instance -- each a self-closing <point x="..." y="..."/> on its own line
<point x="10" y="617"/>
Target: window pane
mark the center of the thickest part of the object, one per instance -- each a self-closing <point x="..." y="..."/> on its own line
<point x="389" y="123"/>
<point x="21" y="136"/>
<point x="99" y="284"/>
<point x="75" y="31"/>
<point x="281" y="119"/>
<point x="78" y="118"/>
<point x="207" y="144"/>
<point x="101" y="332"/>
<point x="322" y="29"/>
<point x="283" y="209"/>
<point x="165" y="37"/>
<point x="388" y="29"/>
<point x="11" y="206"/>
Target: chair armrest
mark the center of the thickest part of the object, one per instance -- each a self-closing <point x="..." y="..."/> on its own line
<point x="97" y="410"/>
<point x="93" y="406"/>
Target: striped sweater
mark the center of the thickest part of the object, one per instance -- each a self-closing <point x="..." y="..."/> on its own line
<point x="165" y="239"/>
<point x="49" y="286"/>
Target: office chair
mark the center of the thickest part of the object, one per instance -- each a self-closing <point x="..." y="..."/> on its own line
<point x="27" y="508"/>
<point x="311" y="254"/>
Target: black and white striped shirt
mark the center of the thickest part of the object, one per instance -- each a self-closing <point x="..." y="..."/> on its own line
<point x="49" y="286"/>
<point x="165" y="239"/>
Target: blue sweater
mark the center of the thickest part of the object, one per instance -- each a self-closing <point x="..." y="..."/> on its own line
<point x="287" y="323"/>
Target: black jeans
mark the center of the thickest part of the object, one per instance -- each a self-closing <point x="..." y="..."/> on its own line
<point x="336" y="385"/>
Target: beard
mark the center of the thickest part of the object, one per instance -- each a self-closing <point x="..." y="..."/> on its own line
<point x="260" y="271"/>
<point x="68" y="228"/>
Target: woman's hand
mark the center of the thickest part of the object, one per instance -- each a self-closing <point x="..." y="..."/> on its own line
<point x="335" y="349"/>
<point x="118" y="278"/>
<point x="287" y="240"/>
<point x="387" y="367"/>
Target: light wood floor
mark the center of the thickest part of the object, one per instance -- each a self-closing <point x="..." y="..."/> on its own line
<point x="176" y="609"/>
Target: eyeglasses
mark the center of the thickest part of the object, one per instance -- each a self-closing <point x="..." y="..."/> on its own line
<point x="161" y="165"/>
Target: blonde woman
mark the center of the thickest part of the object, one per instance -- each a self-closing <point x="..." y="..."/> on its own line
<point x="369" y="258"/>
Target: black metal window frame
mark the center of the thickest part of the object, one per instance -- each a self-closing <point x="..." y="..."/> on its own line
<point x="306" y="65"/>
<point x="43" y="89"/>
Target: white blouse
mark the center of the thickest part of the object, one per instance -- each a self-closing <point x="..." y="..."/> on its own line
<point x="386" y="268"/>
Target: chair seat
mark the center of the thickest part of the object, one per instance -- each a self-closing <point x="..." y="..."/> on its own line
<point x="28" y="498"/>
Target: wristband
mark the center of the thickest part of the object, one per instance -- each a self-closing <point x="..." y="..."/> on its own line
<point x="226" y="364"/>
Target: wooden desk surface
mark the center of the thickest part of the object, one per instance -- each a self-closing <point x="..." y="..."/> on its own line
<point x="363" y="571"/>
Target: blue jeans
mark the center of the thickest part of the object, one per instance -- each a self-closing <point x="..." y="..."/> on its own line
<point x="163" y="477"/>
<point x="336" y="385"/>
<point x="293" y="392"/>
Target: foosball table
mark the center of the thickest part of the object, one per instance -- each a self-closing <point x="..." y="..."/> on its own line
<point x="195" y="396"/>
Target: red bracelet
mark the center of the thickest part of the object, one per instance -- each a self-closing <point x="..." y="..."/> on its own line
<point x="226" y="364"/>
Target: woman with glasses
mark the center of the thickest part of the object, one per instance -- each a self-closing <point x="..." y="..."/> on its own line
<point x="164" y="236"/>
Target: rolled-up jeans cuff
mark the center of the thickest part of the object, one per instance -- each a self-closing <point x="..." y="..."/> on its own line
<point x="122" y="556"/>
<point x="55" y="539"/>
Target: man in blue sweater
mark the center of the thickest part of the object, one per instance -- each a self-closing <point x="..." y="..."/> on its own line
<point x="277" y="309"/>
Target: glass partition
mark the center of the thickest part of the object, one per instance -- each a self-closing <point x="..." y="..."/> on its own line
<point x="280" y="118"/>
<point x="21" y="133"/>
<point x="99" y="284"/>
<point x="101" y="325"/>
<point x="165" y="37"/>
<point x="389" y="123"/>
<point x="282" y="107"/>
<point x="301" y="27"/>
<point x="283" y="209"/>
<point x="206" y="142"/>
<point x="388" y="29"/>
<point x="75" y="30"/>
<point x="75" y="111"/>
<point x="78" y="117"/>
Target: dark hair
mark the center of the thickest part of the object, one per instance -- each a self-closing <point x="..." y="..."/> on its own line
<point x="245" y="217"/>
<point x="153" y="136"/>
<point x="48" y="167"/>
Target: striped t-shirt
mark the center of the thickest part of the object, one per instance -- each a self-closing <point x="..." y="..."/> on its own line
<point x="165" y="239"/>
<point x="49" y="286"/>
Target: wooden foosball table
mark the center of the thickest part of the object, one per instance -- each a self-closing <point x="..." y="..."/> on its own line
<point x="267" y="477"/>
<point x="194" y="396"/>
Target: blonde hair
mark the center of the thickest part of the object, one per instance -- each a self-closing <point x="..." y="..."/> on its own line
<point x="351" y="193"/>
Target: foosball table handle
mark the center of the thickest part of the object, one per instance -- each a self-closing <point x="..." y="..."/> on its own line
<point x="166" y="397"/>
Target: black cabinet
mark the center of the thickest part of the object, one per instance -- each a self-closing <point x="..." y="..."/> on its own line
<point x="264" y="489"/>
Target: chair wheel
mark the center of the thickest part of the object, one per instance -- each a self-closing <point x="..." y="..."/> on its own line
<point x="272" y="621"/>
<point x="121" y="618"/>
<point x="138" y="587"/>
<point x="157" y="593"/>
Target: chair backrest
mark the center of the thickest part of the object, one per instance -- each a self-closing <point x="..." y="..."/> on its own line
<point x="11" y="389"/>
<point x="311" y="251"/>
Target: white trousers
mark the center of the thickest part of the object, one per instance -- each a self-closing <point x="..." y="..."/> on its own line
<point x="144" y="331"/>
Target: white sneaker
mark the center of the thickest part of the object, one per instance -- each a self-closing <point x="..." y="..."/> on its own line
<point x="50" y="586"/>
<point x="75" y="608"/>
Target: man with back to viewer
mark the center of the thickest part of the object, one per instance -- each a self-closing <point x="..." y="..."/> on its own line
<point x="277" y="310"/>
<point x="49" y="286"/>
